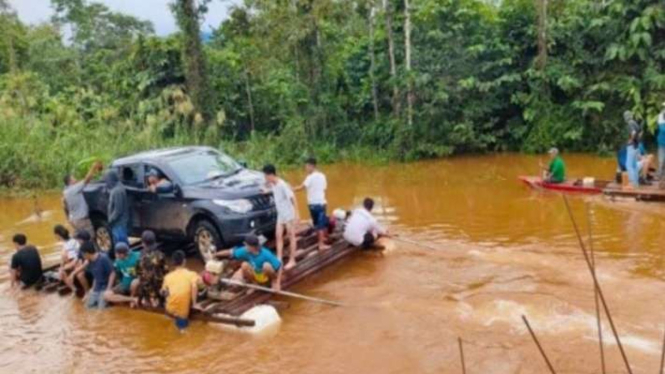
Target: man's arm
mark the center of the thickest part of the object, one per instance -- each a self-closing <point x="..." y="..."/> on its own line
<point x="13" y="273"/>
<point x="97" y="166"/>
<point x="224" y="254"/>
<point x="195" y="293"/>
<point x="114" y="212"/>
<point x="111" y="280"/>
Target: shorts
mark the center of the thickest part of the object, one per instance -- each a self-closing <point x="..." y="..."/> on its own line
<point x="261" y="278"/>
<point x="319" y="217"/>
<point x="121" y="290"/>
<point x="86" y="225"/>
<point x="181" y="323"/>
<point x="286" y="219"/>
<point x="96" y="300"/>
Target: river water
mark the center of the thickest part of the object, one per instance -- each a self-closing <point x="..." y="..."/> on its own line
<point x="502" y="251"/>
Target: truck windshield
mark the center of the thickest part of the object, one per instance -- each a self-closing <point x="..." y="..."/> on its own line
<point x="202" y="166"/>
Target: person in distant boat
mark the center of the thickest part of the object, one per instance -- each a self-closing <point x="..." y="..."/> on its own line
<point x="125" y="264"/>
<point x="556" y="172"/>
<point x="157" y="183"/>
<point x="259" y="264"/>
<point x="101" y="268"/>
<point x="180" y="289"/>
<point x="637" y="163"/>
<point x="287" y="213"/>
<point x="75" y="205"/>
<point x="660" y="140"/>
<point x="151" y="270"/>
<point x="362" y="229"/>
<point x="26" y="264"/>
<point x="316" y="185"/>
<point x="634" y="127"/>
<point x="70" y="251"/>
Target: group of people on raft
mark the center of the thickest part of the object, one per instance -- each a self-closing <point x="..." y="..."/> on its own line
<point x="145" y="279"/>
<point x="632" y="157"/>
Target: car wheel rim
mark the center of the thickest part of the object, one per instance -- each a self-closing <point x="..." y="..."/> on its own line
<point x="103" y="239"/>
<point x="206" y="244"/>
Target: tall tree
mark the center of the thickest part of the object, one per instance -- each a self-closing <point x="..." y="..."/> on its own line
<point x="372" y="60"/>
<point x="410" y="97"/>
<point x="388" y="9"/>
<point x="188" y="15"/>
<point x="541" y="6"/>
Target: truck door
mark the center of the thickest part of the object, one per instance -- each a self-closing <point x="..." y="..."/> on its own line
<point x="162" y="210"/>
<point x="131" y="177"/>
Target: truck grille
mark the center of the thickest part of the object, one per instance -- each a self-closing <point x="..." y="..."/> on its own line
<point x="262" y="202"/>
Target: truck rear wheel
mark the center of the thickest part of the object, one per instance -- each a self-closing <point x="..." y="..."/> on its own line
<point x="207" y="240"/>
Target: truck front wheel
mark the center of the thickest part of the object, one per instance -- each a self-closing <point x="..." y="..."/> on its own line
<point x="207" y="240"/>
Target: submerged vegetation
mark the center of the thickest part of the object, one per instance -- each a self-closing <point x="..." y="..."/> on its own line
<point x="390" y="79"/>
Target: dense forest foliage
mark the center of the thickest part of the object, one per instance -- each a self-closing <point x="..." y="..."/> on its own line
<point x="354" y="79"/>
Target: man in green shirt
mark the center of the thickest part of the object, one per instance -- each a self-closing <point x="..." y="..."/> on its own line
<point x="125" y="266"/>
<point x="556" y="172"/>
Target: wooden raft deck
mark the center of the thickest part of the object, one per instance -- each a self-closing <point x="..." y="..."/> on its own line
<point x="642" y="193"/>
<point x="310" y="262"/>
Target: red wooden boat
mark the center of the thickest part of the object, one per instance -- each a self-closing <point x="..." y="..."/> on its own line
<point x="570" y="186"/>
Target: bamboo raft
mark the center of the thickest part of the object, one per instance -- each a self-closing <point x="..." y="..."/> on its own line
<point x="310" y="262"/>
<point x="642" y="193"/>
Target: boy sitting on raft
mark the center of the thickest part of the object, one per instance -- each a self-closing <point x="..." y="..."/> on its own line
<point x="259" y="264"/>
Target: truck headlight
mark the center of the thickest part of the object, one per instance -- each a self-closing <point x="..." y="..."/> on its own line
<point x="238" y="206"/>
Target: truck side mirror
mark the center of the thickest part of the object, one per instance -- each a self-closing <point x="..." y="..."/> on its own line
<point x="177" y="191"/>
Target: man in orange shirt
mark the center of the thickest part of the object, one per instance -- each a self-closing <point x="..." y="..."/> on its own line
<point x="180" y="289"/>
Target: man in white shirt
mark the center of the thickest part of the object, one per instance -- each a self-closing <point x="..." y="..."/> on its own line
<point x="362" y="229"/>
<point x="316" y="185"/>
<point x="287" y="214"/>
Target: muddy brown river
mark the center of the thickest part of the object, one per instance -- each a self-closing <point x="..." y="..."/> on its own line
<point x="502" y="251"/>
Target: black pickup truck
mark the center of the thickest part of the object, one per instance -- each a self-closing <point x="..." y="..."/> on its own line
<point x="211" y="199"/>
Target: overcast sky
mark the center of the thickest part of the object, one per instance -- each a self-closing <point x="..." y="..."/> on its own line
<point x="156" y="11"/>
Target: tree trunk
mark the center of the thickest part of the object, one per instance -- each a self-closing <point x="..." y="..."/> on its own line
<point x="250" y="105"/>
<point x="387" y="7"/>
<point x="541" y="6"/>
<point x="410" y="98"/>
<point x="372" y="62"/>
<point x="195" y="63"/>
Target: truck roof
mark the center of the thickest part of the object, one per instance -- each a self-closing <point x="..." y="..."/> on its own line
<point x="157" y="155"/>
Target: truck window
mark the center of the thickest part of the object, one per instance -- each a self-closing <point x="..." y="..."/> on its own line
<point x="132" y="176"/>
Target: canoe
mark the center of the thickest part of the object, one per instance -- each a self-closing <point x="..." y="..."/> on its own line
<point x="571" y="186"/>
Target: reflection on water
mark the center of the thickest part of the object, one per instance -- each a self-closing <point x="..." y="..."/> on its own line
<point x="503" y="251"/>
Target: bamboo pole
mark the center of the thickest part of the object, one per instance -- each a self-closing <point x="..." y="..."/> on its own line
<point x="595" y="292"/>
<point x="461" y="354"/>
<point x="597" y="286"/>
<point x="540" y="348"/>
<point x="281" y="293"/>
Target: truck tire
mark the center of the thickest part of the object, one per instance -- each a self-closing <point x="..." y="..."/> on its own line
<point x="207" y="239"/>
<point x="103" y="236"/>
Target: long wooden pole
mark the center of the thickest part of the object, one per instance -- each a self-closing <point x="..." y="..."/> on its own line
<point x="461" y="354"/>
<point x="595" y="293"/>
<point x="281" y="293"/>
<point x="597" y="285"/>
<point x="410" y="241"/>
<point x="540" y="348"/>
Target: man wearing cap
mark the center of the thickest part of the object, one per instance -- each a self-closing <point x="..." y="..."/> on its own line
<point x="157" y="183"/>
<point x="556" y="172"/>
<point x="259" y="264"/>
<point x="125" y="265"/>
<point x="151" y="270"/>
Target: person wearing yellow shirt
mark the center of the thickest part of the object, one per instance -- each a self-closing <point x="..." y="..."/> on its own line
<point x="180" y="289"/>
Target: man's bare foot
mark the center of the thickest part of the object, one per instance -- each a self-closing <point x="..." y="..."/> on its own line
<point x="324" y="247"/>
<point x="134" y="303"/>
<point x="290" y="265"/>
<point x="276" y="286"/>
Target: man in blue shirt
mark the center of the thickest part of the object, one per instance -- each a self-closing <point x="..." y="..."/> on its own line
<point x="101" y="268"/>
<point x="259" y="264"/>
